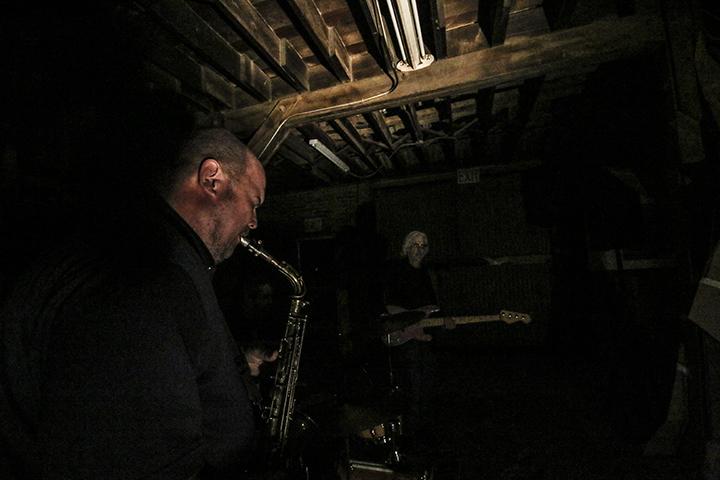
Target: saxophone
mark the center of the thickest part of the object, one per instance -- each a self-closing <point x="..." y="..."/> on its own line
<point x="279" y="414"/>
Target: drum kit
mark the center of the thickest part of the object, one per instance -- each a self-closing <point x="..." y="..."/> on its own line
<point x="360" y="431"/>
<point x="365" y="432"/>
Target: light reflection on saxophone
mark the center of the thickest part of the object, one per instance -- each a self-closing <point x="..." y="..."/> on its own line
<point x="279" y="414"/>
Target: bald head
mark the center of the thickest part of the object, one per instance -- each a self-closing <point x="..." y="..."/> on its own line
<point x="217" y="186"/>
<point x="217" y="143"/>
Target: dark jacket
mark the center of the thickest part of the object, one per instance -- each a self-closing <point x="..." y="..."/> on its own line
<point x="117" y="361"/>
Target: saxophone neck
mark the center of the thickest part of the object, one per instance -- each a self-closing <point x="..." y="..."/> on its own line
<point x="296" y="280"/>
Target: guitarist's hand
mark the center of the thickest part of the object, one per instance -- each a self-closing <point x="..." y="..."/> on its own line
<point x="449" y="323"/>
<point x="417" y="333"/>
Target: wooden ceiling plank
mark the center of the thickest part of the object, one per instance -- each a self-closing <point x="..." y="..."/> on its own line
<point x="525" y="57"/>
<point x="203" y="38"/>
<point x="327" y="43"/>
<point x="278" y="52"/>
<point x="493" y="19"/>
<point x="377" y="123"/>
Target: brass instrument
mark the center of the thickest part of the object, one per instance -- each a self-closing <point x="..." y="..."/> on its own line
<point x="279" y="414"/>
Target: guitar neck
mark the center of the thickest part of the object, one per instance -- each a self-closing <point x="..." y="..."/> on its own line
<point x="440" y="321"/>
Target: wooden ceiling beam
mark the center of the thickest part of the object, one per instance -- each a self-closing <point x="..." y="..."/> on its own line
<point x="303" y="155"/>
<point x="303" y="164"/>
<point x="352" y="137"/>
<point x="484" y="107"/>
<point x="323" y="39"/>
<point x="408" y="115"/>
<point x="367" y="22"/>
<point x="271" y="134"/>
<point x="201" y="37"/>
<point x="278" y="52"/>
<point x="526" y="57"/>
<point x="148" y="38"/>
<point x="377" y="123"/>
<point x="493" y="18"/>
<point x="160" y="79"/>
<point x="434" y="29"/>
<point x="313" y="130"/>
<point x="528" y="94"/>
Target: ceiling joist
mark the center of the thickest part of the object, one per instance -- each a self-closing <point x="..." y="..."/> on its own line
<point x="202" y="38"/>
<point x="323" y="39"/>
<point x="352" y="137"/>
<point x="434" y="11"/>
<point x="493" y="18"/>
<point x="522" y="59"/>
<point x="278" y="52"/>
<point x="377" y="123"/>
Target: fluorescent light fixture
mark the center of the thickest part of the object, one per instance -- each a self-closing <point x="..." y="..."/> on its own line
<point x="404" y="35"/>
<point x="329" y="154"/>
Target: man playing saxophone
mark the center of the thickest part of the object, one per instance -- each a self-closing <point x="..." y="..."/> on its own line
<point x="117" y="362"/>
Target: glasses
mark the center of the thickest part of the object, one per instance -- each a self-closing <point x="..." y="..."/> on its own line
<point x="422" y="246"/>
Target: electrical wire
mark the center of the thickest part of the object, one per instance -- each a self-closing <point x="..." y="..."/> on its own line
<point x="394" y="83"/>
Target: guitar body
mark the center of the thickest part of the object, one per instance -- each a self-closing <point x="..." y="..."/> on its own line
<point x="413" y="332"/>
<point x="417" y="330"/>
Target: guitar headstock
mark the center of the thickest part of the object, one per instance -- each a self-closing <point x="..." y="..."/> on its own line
<point x="508" y="316"/>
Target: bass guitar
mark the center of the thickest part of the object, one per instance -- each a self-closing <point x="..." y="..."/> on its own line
<point x="416" y="330"/>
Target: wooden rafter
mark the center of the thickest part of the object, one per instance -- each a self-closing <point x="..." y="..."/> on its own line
<point x="528" y="57"/>
<point x="159" y="78"/>
<point x="493" y="19"/>
<point x="352" y="137"/>
<point x="367" y="22"/>
<point x="434" y="12"/>
<point x="484" y="107"/>
<point x="271" y="134"/>
<point x="302" y="155"/>
<point x="189" y="74"/>
<point x="313" y="130"/>
<point x="202" y="38"/>
<point x="377" y="123"/>
<point x="324" y="39"/>
<point x="408" y="115"/>
<point x="527" y="98"/>
<point x="278" y="52"/>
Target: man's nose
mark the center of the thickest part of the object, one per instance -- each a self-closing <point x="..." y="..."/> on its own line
<point x="253" y="222"/>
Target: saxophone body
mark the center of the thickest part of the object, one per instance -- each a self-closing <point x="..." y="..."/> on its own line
<point x="278" y="414"/>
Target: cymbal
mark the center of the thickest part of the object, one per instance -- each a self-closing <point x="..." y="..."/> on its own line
<point x="348" y="419"/>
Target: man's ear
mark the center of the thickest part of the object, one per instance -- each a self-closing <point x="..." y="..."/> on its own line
<point x="211" y="177"/>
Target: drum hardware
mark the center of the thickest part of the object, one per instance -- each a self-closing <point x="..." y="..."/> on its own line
<point x="386" y="435"/>
<point x="360" y="469"/>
